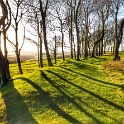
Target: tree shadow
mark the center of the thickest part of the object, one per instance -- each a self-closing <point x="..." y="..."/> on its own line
<point x="17" y="111"/>
<point x="79" y="65"/>
<point x="90" y="92"/>
<point x="97" y="111"/>
<point x="50" y="101"/>
<point x="69" y="99"/>
<point x="84" y="65"/>
<point x="97" y="80"/>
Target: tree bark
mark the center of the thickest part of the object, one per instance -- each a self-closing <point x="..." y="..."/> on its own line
<point x="55" y="50"/>
<point x="43" y="14"/>
<point x="71" y="33"/>
<point x="5" y="53"/>
<point x="77" y="30"/>
<point x="3" y="74"/>
<point x="17" y="49"/>
<point x="41" y="53"/>
<point x="118" y="42"/>
<point x="86" y="42"/>
<point x="4" y="65"/>
<point x="63" y="56"/>
<point x="99" y="40"/>
<point x="45" y="42"/>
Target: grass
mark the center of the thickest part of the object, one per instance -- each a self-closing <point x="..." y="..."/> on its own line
<point x="71" y="92"/>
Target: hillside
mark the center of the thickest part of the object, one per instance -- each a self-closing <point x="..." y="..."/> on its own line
<point x="84" y="92"/>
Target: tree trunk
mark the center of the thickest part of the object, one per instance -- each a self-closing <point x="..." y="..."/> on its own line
<point x="78" y="42"/>
<point x="41" y="56"/>
<point x="4" y="65"/>
<point x="116" y="56"/>
<point x="77" y="29"/>
<point x="82" y="45"/>
<point x="118" y="42"/>
<point x="19" y="63"/>
<point x="101" y="50"/>
<point x="113" y="48"/>
<point x="99" y="47"/>
<point x="86" y="49"/>
<point x="55" y="50"/>
<point x="86" y="31"/>
<point x="5" y="53"/>
<point x="38" y="53"/>
<point x="71" y="33"/>
<point x="43" y="14"/>
<point x="45" y="42"/>
<point x="86" y="41"/>
<point x="99" y="40"/>
<point x="63" y="56"/>
<point x="74" y="51"/>
<point x="17" y="50"/>
<point x="3" y="74"/>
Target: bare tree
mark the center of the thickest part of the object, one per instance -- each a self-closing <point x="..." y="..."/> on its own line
<point x="4" y="68"/>
<point x="34" y="19"/>
<point x="76" y="12"/>
<point x="102" y="8"/>
<point x="17" y="17"/>
<point x="87" y="9"/>
<point x="54" y="45"/>
<point x="43" y="11"/>
<point x="61" y="17"/>
<point x="70" y="23"/>
<point x="118" y="32"/>
<point x="118" y="42"/>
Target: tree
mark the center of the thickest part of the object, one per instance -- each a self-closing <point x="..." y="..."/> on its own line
<point x="102" y="9"/>
<point x="17" y="17"/>
<point x="54" y="45"/>
<point x="35" y="21"/>
<point x="60" y="15"/>
<point x="76" y="12"/>
<point x="87" y="9"/>
<point x="59" y="19"/>
<point x="117" y="32"/>
<point x="70" y="23"/>
<point x="4" y="74"/>
<point x="43" y="11"/>
<point x="118" y="42"/>
<point x="5" y="27"/>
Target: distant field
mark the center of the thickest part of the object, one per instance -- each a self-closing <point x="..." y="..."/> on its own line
<point x="27" y="55"/>
<point x="12" y="57"/>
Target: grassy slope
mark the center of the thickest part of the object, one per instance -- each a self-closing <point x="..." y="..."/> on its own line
<point x="85" y="92"/>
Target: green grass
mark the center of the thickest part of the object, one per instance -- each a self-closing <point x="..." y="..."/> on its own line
<point x="71" y="92"/>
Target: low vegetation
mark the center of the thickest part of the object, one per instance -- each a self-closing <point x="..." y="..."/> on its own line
<point x="78" y="92"/>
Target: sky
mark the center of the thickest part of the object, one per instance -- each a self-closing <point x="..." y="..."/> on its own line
<point x="11" y="34"/>
<point x="27" y="46"/>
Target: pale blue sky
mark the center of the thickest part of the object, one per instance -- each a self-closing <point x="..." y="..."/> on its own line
<point x="28" y="46"/>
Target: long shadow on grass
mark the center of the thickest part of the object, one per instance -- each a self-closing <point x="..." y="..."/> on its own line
<point x="50" y="101"/>
<point x="16" y="110"/>
<point x="86" y="92"/>
<point x="78" y="64"/>
<point x="97" y="80"/>
<point x="69" y="98"/>
<point x="90" y="92"/>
